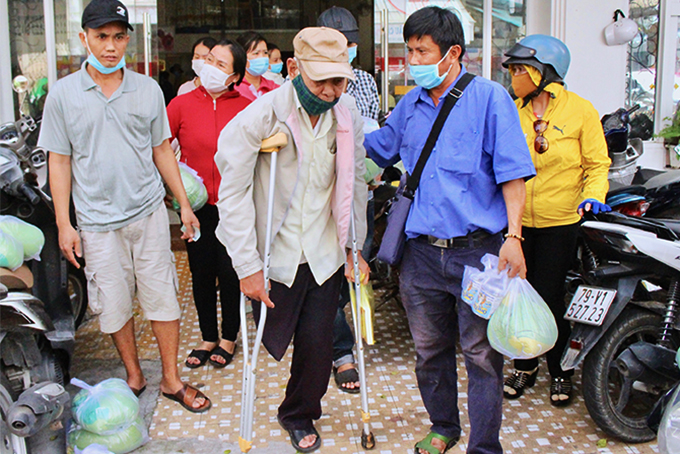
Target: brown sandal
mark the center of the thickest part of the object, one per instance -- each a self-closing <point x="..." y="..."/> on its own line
<point x="187" y="396"/>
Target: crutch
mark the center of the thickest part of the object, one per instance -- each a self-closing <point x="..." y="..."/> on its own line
<point x="367" y="438"/>
<point x="271" y="145"/>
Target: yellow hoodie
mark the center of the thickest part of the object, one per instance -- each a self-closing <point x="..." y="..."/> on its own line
<point x="574" y="167"/>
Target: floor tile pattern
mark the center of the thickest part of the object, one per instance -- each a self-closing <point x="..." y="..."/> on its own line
<point x="531" y="424"/>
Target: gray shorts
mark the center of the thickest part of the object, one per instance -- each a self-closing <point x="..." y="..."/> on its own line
<point x="133" y="260"/>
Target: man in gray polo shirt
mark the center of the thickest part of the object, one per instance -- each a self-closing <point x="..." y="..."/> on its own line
<point x="107" y="133"/>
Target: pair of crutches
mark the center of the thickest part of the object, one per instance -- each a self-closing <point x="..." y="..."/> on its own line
<point x="273" y="145"/>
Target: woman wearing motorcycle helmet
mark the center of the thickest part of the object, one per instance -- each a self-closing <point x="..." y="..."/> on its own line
<point x="569" y="151"/>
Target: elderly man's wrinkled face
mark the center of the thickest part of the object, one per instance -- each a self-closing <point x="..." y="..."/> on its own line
<point x="328" y="89"/>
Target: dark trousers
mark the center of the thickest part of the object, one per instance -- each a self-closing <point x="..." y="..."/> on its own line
<point x="549" y="252"/>
<point x="305" y="311"/>
<point x="210" y="263"/>
<point x="430" y="286"/>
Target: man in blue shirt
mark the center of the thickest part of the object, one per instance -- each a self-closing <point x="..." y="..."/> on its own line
<point x="471" y="189"/>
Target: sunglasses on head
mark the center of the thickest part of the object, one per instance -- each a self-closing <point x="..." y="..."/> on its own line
<point x="541" y="144"/>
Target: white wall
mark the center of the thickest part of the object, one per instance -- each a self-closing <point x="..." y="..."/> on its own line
<point x="597" y="71"/>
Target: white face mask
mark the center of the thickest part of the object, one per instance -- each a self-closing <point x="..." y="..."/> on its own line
<point x="213" y="79"/>
<point x="197" y="66"/>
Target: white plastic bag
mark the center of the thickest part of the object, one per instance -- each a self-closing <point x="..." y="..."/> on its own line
<point x="120" y="442"/>
<point x="668" y="436"/>
<point x="11" y="252"/>
<point x="106" y="408"/>
<point x="93" y="449"/>
<point x="484" y="290"/>
<point x="522" y="327"/>
<point x="29" y="236"/>
<point x="194" y="187"/>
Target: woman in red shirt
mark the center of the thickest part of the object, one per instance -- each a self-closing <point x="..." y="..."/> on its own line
<point x="254" y="85"/>
<point x="196" y="120"/>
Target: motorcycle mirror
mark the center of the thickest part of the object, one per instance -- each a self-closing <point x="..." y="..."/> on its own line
<point x="20" y="84"/>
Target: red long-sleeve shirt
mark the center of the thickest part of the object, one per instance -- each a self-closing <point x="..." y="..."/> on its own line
<point x="196" y="121"/>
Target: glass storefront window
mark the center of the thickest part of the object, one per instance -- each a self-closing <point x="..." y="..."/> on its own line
<point x="27" y="47"/>
<point x="508" y="19"/>
<point x="642" y="55"/>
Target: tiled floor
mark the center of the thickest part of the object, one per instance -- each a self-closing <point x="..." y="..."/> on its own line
<point x="531" y="424"/>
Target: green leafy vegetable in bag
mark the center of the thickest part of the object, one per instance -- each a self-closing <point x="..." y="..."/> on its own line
<point x="194" y="187"/>
<point x="31" y="237"/>
<point x="11" y="252"/>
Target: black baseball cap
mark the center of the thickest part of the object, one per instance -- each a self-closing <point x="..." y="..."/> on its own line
<point x="102" y="12"/>
<point x="342" y="20"/>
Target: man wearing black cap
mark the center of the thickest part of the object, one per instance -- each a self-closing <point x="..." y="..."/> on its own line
<point x="107" y="133"/>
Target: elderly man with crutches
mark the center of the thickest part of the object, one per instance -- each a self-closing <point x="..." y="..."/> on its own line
<point x="318" y="177"/>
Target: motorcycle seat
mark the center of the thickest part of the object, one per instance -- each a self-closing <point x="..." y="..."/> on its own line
<point x="20" y="279"/>
<point x="617" y="188"/>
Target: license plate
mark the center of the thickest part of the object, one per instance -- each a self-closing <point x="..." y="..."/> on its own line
<point x="590" y="305"/>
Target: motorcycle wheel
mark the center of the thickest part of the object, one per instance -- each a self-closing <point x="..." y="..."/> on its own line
<point x="9" y="443"/>
<point x="77" y="293"/>
<point x="617" y="414"/>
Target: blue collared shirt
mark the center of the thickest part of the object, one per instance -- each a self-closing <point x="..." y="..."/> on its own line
<point x="481" y="146"/>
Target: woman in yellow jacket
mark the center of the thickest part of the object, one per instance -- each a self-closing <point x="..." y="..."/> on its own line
<point x="569" y="151"/>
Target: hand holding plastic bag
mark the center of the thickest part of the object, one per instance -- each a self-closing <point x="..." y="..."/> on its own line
<point x="484" y="290"/>
<point x="194" y="187"/>
<point x="522" y="327"/>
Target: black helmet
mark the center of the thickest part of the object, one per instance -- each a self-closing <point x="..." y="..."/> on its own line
<point x="342" y="20"/>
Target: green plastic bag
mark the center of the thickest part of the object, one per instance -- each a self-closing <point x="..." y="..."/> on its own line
<point x="105" y="408"/>
<point x="11" y="252"/>
<point x="522" y="327"/>
<point x="31" y="237"/>
<point x="194" y="187"/>
<point x="120" y="442"/>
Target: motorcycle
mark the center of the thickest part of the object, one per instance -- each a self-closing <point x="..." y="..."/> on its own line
<point x="633" y="190"/>
<point x="625" y="308"/>
<point x="37" y="335"/>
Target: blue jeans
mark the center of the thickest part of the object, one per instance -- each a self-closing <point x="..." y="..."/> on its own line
<point x="430" y="284"/>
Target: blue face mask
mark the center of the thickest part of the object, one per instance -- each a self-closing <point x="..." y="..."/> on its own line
<point x="96" y="64"/>
<point x="352" y="53"/>
<point x="258" y="66"/>
<point x="276" y="67"/>
<point x="427" y="76"/>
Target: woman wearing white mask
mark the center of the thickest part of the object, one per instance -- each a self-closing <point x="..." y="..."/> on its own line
<point x="200" y="51"/>
<point x="196" y="120"/>
<point x="254" y="85"/>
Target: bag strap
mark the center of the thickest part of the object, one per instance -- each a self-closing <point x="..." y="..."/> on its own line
<point x="452" y="98"/>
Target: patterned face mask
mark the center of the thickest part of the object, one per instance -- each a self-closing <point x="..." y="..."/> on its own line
<point x="312" y="104"/>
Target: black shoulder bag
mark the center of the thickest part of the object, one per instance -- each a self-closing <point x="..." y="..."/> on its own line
<point x="392" y="245"/>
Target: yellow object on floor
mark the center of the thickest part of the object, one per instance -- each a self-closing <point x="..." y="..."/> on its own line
<point x="367" y="308"/>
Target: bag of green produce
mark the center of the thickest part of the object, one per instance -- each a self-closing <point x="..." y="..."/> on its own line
<point x="30" y="236"/>
<point x="105" y="408"/>
<point x="120" y="442"/>
<point x="194" y="187"/>
<point x="11" y="252"/>
<point x="93" y="449"/>
<point x="522" y="327"/>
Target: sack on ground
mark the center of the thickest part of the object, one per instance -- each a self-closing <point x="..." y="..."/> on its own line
<point x="11" y="252"/>
<point x="31" y="237"/>
<point x="105" y="408"/>
<point x="367" y="308"/>
<point x="522" y="327"/>
<point x="120" y="442"/>
<point x="484" y="290"/>
<point x="93" y="449"/>
<point x="194" y="187"/>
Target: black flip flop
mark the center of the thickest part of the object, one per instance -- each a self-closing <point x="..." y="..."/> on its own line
<point x="201" y="355"/>
<point x="137" y="392"/>
<point x="219" y="351"/>
<point x="296" y="437"/>
<point x="344" y="377"/>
